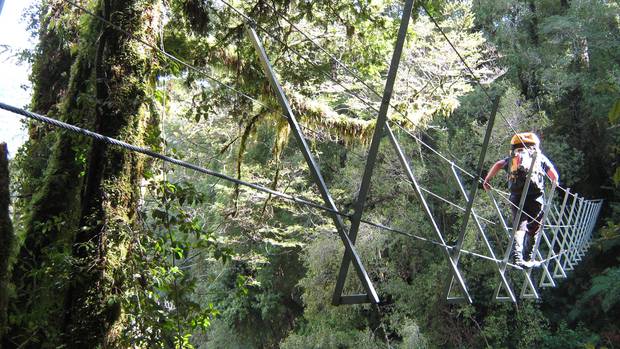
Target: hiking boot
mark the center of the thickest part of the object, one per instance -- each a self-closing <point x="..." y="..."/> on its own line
<point x="534" y="241"/>
<point x="528" y="264"/>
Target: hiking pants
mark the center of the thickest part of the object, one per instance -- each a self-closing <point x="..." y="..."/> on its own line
<point x="531" y="218"/>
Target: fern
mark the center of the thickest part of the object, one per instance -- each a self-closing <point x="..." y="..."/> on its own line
<point x="606" y="287"/>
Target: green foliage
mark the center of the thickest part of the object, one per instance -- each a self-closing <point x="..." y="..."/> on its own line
<point x="606" y="287"/>
<point x="565" y="337"/>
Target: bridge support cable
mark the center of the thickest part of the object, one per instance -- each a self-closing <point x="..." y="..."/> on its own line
<point x="348" y="240"/>
<point x="459" y="279"/>
<point x="294" y="199"/>
<point x="456" y="252"/>
<point x="185" y="164"/>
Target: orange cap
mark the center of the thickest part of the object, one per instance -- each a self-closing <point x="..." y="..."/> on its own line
<point x="527" y="138"/>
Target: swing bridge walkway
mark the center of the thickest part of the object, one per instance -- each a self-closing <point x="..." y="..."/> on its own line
<point x="568" y="219"/>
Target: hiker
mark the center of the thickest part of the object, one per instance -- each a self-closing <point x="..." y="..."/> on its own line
<point x="524" y="146"/>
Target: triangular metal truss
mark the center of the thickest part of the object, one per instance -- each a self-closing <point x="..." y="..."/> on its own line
<point x="565" y="236"/>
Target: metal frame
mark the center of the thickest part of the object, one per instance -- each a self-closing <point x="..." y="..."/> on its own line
<point x="380" y="125"/>
<point x="350" y="252"/>
<point x="571" y="235"/>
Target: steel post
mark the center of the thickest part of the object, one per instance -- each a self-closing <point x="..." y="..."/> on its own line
<point x="565" y="246"/>
<point x="555" y="239"/>
<point x="589" y="226"/>
<point x="371" y="294"/>
<point x="374" y="147"/>
<point x="456" y="252"/>
<point x="583" y="231"/>
<point x="572" y="236"/>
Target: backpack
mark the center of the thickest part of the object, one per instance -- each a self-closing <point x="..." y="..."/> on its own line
<point x="520" y="162"/>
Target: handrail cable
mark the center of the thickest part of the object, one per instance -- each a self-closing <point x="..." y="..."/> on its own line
<point x="295" y="199"/>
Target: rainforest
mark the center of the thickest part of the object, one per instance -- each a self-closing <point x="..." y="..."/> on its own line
<point x="310" y="174"/>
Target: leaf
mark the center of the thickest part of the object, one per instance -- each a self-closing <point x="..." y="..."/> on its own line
<point x="614" y="114"/>
<point x="607" y="288"/>
<point x="616" y="176"/>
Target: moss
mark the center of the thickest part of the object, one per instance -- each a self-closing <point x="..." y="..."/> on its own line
<point x="49" y="225"/>
<point x="86" y="190"/>
<point x="317" y="116"/>
<point x="111" y="188"/>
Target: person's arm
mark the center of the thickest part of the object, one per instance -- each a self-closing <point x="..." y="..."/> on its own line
<point x="553" y="175"/>
<point x="550" y="170"/>
<point x="492" y="172"/>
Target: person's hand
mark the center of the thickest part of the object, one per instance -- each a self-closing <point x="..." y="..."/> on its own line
<point x="486" y="185"/>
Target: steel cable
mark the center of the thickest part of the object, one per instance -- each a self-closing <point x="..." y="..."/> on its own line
<point x="225" y="177"/>
<point x="153" y="154"/>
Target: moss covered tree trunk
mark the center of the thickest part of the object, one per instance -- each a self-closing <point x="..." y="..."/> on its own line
<point x="51" y="70"/>
<point x="6" y="236"/>
<point x="69" y="267"/>
<point x="43" y="266"/>
<point x="110" y="194"/>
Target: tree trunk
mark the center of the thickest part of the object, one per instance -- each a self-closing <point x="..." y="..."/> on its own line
<point x="111" y="190"/>
<point x="52" y="217"/>
<point x="51" y="70"/>
<point x="69" y="267"/>
<point x="6" y="237"/>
